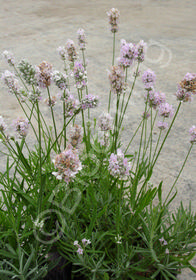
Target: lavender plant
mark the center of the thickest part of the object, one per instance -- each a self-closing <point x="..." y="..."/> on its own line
<point x="73" y="193"/>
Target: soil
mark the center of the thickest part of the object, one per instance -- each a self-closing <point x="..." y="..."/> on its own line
<point x="34" y="29"/>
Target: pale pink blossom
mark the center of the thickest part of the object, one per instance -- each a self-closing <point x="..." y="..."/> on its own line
<point x="81" y="39"/>
<point x="166" y="110"/>
<point x="67" y="164"/>
<point x="21" y="126"/>
<point x="9" y="57"/>
<point x="118" y="165"/>
<point x="192" y="132"/>
<point x="105" y="122"/>
<point x="44" y="74"/>
<point x="113" y="16"/>
<point x="3" y="126"/>
<point x="116" y="77"/>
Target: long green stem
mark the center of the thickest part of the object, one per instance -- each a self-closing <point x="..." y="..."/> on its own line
<point x="113" y="56"/>
<point x="125" y="108"/>
<point x="88" y="125"/>
<point x="124" y="93"/>
<point x="64" y="119"/>
<point x="27" y="116"/>
<point x="114" y="45"/>
<point x="54" y="143"/>
<point x="179" y="173"/>
<point x="53" y="119"/>
<point x="115" y="136"/>
<point x="83" y="122"/>
<point x="157" y="144"/>
<point x="151" y="129"/>
<point x="161" y="147"/>
<point x="141" y="137"/>
<point x="133" y="135"/>
<point x="40" y="161"/>
<point x="148" y="142"/>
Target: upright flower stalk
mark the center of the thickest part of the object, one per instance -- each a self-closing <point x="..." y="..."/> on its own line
<point x="40" y="160"/>
<point x="113" y="16"/>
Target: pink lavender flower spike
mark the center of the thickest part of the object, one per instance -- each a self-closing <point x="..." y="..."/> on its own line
<point x="162" y="125"/>
<point x="192" y="133"/>
<point x="141" y="50"/>
<point x="71" y="50"/>
<point x="60" y="80"/>
<point x="105" y="122"/>
<point x="76" y="135"/>
<point x="113" y="16"/>
<point x="71" y="105"/>
<point x="21" y="127"/>
<point x="81" y="39"/>
<point x="62" y="52"/>
<point x="183" y="95"/>
<point x="44" y="74"/>
<point x="128" y="54"/>
<point x="9" y="57"/>
<point x="116" y="77"/>
<point x="155" y="98"/>
<point x="11" y="82"/>
<point x="118" y="165"/>
<point x="148" y="78"/>
<point x="3" y="126"/>
<point x="80" y="75"/>
<point x="90" y="101"/>
<point x="68" y="164"/>
<point x="166" y="110"/>
<point x="189" y="83"/>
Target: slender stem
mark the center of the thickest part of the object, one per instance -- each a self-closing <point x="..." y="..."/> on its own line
<point x="151" y="129"/>
<point x="53" y="119"/>
<point x="27" y="116"/>
<point x="60" y="134"/>
<point x="109" y="101"/>
<point x="9" y="146"/>
<point x="40" y="161"/>
<point x="113" y="53"/>
<point x="115" y="136"/>
<point x="133" y="136"/>
<point x="64" y="119"/>
<point x="122" y="105"/>
<point x="88" y="126"/>
<point x="166" y="134"/>
<point x="83" y="122"/>
<point x="84" y="62"/>
<point x="118" y="220"/>
<point x="113" y="56"/>
<point x="179" y="173"/>
<point x="149" y="135"/>
<point x="141" y="138"/>
<point x="18" y="74"/>
<point x="159" y="137"/>
<point x="121" y="120"/>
